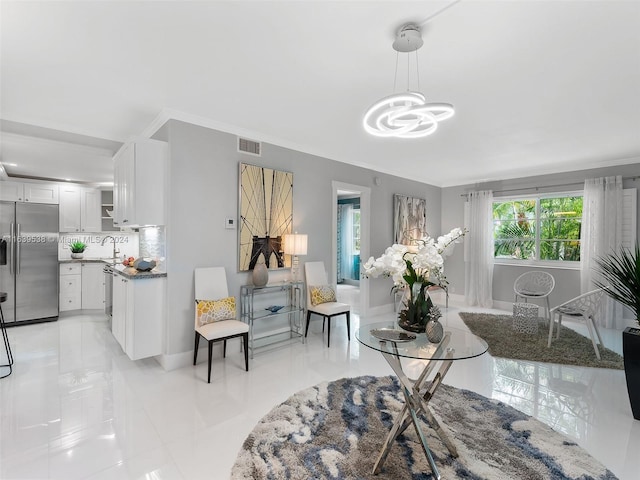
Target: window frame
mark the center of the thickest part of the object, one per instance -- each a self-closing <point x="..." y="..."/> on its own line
<point x="535" y="262"/>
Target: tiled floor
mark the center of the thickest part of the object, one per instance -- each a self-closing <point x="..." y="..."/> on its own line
<point x="77" y="408"/>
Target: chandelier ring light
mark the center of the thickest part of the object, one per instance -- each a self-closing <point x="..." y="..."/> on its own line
<point x="407" y="114"/>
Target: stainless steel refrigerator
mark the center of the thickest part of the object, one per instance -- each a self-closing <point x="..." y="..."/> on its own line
<point x="29" y="261"/>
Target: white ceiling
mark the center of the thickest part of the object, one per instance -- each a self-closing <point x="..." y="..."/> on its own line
<point x="538" y="86"/>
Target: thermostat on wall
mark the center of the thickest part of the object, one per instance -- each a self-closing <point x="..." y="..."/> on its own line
<point x="230" y="223"/>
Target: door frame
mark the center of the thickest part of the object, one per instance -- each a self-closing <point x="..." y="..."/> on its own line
<point x="365" y="235"/>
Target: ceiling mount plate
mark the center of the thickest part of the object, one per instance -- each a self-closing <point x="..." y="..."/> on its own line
<point x="409" y="39"/>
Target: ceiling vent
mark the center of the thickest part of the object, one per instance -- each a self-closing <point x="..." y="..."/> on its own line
<point x="249" y="146"/>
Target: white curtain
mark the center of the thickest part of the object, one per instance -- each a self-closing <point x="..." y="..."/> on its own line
<point x="345" y="241"/>
<point x="478" y="279"/>
<point x="601" y="233"/>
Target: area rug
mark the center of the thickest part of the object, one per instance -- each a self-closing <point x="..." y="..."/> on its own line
<point x="570" y="349"/>
<point x="335" y="430"/>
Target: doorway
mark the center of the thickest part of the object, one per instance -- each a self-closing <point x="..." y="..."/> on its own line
<point x="350" y="243"/>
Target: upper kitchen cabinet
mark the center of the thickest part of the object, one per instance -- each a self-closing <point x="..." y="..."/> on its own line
<point x="139" y="180"/>
<point x="80" y="209"/>
<point x="29" y="192"/>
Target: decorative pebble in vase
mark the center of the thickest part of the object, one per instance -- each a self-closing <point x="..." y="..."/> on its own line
<point x="260" y="274"/>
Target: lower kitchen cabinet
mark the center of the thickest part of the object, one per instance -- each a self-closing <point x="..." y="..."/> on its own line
<point x="70" y="286"/>
<point x="92" y="286"/>
<point x="137" y="315"/>
<point x="81" y="286"/>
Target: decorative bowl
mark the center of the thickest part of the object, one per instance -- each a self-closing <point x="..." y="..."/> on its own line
<point x="143" y="265"/>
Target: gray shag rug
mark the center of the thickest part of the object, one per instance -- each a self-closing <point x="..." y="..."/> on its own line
<point x="570" y="349"/>
<point x="335" y="430"/>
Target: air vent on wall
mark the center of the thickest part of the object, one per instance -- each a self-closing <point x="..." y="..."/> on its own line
<point x="249" y="146"/>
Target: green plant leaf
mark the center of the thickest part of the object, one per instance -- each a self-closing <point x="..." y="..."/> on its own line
<point x="621" y="273"/>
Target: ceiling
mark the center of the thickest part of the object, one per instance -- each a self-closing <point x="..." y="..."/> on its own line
<point x="538" y="87"/>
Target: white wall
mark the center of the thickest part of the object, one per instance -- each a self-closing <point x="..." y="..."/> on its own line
<point x="567" y="281"/>
<point x="203" y="191"/>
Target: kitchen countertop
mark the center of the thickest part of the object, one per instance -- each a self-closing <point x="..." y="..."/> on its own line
<point x="127" y="272"/>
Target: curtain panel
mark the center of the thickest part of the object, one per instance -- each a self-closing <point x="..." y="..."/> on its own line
<point x="601" y="233"/>
<point x="478" y="278"/>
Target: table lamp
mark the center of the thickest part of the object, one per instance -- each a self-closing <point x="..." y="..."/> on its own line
<point x="295" y="244"/>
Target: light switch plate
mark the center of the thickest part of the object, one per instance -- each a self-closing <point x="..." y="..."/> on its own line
<point x="230" y="223"/>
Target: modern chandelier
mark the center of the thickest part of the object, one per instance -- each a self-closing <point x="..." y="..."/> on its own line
<point x="406" y="114"/>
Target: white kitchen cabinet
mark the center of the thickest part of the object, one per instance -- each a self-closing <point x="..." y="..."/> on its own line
<point x="70" y="287"/>
<point x="11" y="191"/>
<point x="138" y="313"/>
<point x="120" y="309"/>
<point x="139" y="181"/>
<point x="92" y="286"/>
<point x="29" y="192"/>
<point x="80" y="209"/>
<point x="41" y="193"/>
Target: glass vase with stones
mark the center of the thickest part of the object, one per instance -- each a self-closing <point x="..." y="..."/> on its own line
<point x="415" y="314"/>
<point x="434" y="329"/>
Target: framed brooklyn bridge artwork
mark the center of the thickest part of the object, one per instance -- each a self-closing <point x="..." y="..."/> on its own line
<point x="266" y="215"/>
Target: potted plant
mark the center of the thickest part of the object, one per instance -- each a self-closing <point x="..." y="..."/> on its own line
<point x="621" y="281"/>
<point x="77" y="249"/>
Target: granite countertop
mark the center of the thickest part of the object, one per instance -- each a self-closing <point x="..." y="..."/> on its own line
<point x="85" y="260"/>
<point x="126" y="272"/>
<point x="133" y="274"/>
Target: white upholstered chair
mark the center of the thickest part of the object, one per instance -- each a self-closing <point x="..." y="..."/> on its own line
<point x="584" y="307"/>
<point x="535" y="285"/>
<point x="315" y="276"/>
<point x="211" y="284"/>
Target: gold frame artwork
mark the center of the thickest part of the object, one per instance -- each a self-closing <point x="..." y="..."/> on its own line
<point x="266" y="215"/>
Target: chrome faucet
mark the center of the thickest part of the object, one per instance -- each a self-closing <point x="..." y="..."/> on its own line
<point x="115" y="252"/>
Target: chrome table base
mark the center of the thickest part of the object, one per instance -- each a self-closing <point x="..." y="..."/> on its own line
<point x="417" y="396"/>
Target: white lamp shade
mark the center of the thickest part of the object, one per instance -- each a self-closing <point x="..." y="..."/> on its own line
<point x="295" y="244"/>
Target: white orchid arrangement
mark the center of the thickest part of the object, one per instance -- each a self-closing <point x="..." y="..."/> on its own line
<point x="417" y="267"/>
<point x="410" y="264"/>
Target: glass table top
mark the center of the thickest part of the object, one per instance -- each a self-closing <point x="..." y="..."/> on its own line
<point x="458" y="344"/>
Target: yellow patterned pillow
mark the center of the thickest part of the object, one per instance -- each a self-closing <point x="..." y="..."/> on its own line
<point x="209" y="311"/>
<point x="321" y="294"/>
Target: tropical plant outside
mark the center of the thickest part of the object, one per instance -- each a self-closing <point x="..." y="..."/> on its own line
<point x="620" y="272"/>
<point x="520" y="232"/>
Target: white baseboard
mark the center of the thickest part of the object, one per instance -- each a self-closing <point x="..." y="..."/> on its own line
<point x="380" y="309"/>
<point x="179" y="360"/>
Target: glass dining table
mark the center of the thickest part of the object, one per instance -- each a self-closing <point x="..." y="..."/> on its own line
<point x="395" y="344"/>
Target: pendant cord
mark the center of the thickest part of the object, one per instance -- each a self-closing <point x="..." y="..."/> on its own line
<point x="417" y="72"/>
<point x="408" y="74"/>
<point x="395" y="77"/>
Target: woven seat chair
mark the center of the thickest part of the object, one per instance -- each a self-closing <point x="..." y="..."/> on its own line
<point x="535" y="285"/>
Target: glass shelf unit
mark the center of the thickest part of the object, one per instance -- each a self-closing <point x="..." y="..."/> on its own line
<point x="288" y="294"/>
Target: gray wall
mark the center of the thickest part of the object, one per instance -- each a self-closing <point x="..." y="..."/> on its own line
<point x="203" y="191"/>
<point x="567" y="281"/>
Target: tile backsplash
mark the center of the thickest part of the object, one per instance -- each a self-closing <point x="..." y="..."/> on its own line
<point x="152" y="244"/>
<point x="126" y="244"/>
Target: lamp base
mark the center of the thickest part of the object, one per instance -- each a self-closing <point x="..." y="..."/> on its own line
<point x="294" y="269"/>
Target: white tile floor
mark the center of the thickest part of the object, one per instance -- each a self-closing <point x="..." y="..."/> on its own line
<point x="77" y="408"/>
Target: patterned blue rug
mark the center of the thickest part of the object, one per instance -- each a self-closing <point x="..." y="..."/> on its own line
<point x="334" y="430"/>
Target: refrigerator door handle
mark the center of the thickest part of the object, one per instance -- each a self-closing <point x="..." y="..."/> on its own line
<point x="18" y="241"/>
<point x="11" y="242"/>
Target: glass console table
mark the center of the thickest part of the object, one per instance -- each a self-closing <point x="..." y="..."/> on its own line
<point x="395" y="344"/>
<point x="289" y="295"/>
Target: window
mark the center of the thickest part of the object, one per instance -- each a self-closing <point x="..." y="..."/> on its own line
<point x="356" y="231"/>
<point x="538" y="228"/>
